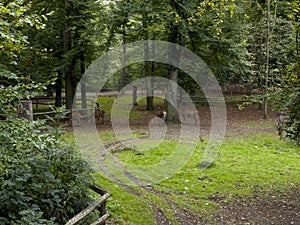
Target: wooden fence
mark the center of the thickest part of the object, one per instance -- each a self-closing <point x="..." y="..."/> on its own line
<point x="99" y="204"/>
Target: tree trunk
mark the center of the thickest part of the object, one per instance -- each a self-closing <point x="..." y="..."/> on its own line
<point x="134" y="95"/>
<point x="150" y="93"/>
<point x="267" y="63"/>
<point x="69" y="94"/>
<point x="82" y="85"/>
<point x="67" y="45"/>
<point x="172" y="92"/>
<point x="58" y="89"/>
<point x="147" y="65"/>
<point x="124" y="42"/>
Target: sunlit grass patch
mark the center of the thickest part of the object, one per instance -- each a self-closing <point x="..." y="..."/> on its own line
<point x="243" y="164"/>
<point x="142" y="157"/>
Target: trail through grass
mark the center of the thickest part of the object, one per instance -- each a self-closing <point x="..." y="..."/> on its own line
<point x="247" y="162"/>
<point x="243" y="165"/>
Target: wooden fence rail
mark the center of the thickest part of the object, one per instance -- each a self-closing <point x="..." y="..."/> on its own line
<point x="99" y="202"/>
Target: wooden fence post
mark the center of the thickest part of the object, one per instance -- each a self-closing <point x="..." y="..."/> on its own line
<point x="26" y="110"/>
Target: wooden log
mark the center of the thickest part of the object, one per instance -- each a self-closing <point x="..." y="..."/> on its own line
<point x="44" y="113"/>
<point x="88" y="210"/>
<point x="101" y="220"/>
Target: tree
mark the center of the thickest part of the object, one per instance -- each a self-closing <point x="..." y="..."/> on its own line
<point x="67" y="44"/>
<point x="213" y="31"/>
<point x="287" y="96"/>
<point x="15" y="18"/>
<point x="265" y="89"/>
<point x="177" y="29"/>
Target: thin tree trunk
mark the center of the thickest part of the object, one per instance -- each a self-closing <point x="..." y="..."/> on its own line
<point x="147" y="65"/>
<point x="267" y="63"/>
<point x="69" y="94"/>
<point x="82" y="85"/>
<point x="174" y="37"/>
<point x="67" y="45"/>
<point x="124" y="42"/>
<point x="134" y="95"/>
<point x="58" y="89"/>
<point x="172" y="92"/>
<point x="123" y="71"/>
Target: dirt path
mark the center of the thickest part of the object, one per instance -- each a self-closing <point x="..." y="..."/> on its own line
<point x="279" y="208"/>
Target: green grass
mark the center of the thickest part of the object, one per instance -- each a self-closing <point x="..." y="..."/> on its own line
<point x="106" y="103"/>
<point x="144" y="157"/>
<point x="42" y="108"/>
<point x="243" y="165"/>
<point x="259" y="124"/>
<point x="136" y="112"/>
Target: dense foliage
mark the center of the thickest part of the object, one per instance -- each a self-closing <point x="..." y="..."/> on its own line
<point x="294" y="131"/>
<point x="42" y="179"/>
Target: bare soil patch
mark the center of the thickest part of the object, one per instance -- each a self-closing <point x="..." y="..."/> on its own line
<point x="239" y="122"/>
<point x="279" y="208"/>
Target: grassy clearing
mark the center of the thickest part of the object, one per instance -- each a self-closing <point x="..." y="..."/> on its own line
<point x="243" y="166"/>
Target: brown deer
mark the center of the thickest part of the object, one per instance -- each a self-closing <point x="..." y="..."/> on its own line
<point x="161" y="114"/>
<point x="74" y="116"/>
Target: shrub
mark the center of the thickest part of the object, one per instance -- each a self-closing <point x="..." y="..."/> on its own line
<point x="42" y="179"/>
<point x="294" y="112"/>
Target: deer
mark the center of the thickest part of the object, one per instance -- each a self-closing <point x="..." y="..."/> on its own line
<point x="74" y="116"/>
<point x="161" y="113"/>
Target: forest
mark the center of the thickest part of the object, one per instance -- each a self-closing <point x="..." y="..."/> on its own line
<point x="249" y="48"/>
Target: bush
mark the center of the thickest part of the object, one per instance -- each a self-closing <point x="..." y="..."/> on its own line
<point x="294" y="112"/>
<point x="42" y="179"/>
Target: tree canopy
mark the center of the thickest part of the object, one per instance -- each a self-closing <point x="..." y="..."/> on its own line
<point x="252" y="42"/>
